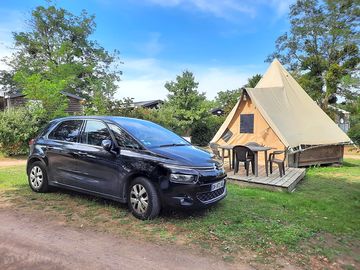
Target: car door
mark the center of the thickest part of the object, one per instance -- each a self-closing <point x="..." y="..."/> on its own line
<point x="99" y="168"/>
<point x="129" y="152"/>
<point x="61" y="147"/>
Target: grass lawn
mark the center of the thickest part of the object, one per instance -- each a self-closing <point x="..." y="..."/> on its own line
<point x="321" y="219"/>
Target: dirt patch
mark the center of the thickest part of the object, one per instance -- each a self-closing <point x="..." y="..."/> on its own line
<point x="33" y="241"/>
<point x="328" y="246"/>
<point x="55" y="224"/>
<point x="351" y="150"/>
<point x="352" y="156"/>
<point x="14" y="162"/>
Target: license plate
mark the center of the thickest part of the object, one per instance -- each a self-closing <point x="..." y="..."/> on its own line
<point x="217" y="185"/>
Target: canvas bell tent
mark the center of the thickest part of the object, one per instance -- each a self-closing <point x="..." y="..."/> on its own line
<point x="280" y="114"/>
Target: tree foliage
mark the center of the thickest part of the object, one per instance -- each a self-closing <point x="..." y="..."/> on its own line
<point x="17" y="127"/>
<point x="204" y="131"/>
<point x="58" y="54"/>
<point x="322" y="46"/>
<point x="227" y="99"/>
<point x="252" y="81"/>
<point x="48" y="92"/>
<point x="185" y="104"/>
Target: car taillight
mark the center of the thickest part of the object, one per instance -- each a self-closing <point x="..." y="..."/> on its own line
<point x="31" y="142"/>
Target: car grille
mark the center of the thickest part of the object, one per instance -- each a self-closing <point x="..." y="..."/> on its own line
<point x="211" y="195"/>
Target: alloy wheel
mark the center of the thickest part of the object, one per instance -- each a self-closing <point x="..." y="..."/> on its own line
<point x="36" y="177"/>
<point x="139" y="198"/>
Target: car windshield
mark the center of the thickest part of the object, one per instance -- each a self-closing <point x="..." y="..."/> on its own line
<point x="152" y="135"/>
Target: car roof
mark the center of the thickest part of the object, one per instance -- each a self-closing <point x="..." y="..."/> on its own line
<point x="117" y="119"/>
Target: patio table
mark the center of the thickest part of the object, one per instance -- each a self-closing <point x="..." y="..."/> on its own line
<point x="229" y="148"/>
<point x="255" y="149"/>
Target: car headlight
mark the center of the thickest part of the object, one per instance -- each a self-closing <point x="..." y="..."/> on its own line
<point x="183" y="178"/>
<point x="221" y="168"/>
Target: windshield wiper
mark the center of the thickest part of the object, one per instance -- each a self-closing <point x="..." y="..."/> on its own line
<point x="172" y="144"/>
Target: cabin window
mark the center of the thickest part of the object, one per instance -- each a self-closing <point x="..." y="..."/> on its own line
<point x="227" y="135"/>
<point x="246" y="123"/>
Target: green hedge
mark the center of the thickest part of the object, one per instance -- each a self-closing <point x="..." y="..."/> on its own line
<point x="17" y="127"/>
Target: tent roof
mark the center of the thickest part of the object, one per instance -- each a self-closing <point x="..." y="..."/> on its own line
<point x="290" y="112"/>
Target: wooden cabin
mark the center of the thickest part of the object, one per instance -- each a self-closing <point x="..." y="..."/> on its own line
<point x="75" y="103"/>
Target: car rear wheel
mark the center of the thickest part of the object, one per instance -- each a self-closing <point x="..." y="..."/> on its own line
<point x="37" y="177"/>
<point x="143" y="199"/>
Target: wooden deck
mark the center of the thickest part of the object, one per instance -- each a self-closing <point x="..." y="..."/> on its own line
<point x="286" y="183"/>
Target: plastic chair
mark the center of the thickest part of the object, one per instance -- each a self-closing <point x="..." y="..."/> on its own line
<point x="280" y="162"/>
<point x="215" y="149"/>
<point x="245" y="155"/>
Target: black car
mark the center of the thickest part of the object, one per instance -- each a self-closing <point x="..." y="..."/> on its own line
<point x="127" y="160"/>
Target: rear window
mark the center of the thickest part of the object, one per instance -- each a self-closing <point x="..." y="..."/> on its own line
<point x="66" y="131"/>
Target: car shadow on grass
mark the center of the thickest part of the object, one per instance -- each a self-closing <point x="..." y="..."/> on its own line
<point x="167" y="213"/>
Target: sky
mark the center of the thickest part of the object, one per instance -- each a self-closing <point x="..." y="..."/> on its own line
<point x="223" y="42"/>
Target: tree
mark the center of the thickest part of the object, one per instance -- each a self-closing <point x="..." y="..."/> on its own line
<point x="252" y="81"/>
<point x="322" y="46"/>
<point x="45" y="90"/>
<point x="227" y="99"/>
<point x="57" y="52"/>
<point x="185" y="104"/>
<point x="352" y="106"/>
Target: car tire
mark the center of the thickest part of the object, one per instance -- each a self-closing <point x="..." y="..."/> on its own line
<point x="143" y="199"/>
<point x="37" y="177"/>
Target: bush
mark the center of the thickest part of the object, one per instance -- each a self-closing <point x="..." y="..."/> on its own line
<point x="354" y="134"/>
<point x="17" y="127"/>
<point x="204" y="131"/>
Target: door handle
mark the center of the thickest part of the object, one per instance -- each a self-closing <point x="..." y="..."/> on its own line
<point x="54" y="148"/>
<point x="80" y="153"/>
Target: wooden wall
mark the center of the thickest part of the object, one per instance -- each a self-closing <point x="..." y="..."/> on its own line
<point x="16" y="102"/>
<point x="327" y="154"/>
<point x="74" y="106"/>
<point x="2" y="103"/>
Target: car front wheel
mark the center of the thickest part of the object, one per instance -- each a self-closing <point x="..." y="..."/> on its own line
<point x="143" y="200"/>
<point x="37" y="177"/>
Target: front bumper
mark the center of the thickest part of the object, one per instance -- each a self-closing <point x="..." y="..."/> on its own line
<point x="193" y="196"/>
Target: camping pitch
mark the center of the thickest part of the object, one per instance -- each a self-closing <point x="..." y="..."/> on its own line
<point x="280" y="114"/>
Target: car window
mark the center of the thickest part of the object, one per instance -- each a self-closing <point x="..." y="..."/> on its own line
<point x="95" y="132"/>
<point x="151" y="135"/>
<point x="122" y="138"/>
<point x="66" y="131"/>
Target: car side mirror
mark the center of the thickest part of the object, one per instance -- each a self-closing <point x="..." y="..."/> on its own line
<point x="107" y="145"/>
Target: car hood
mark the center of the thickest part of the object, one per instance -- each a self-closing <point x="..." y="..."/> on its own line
<point x="187" y="155"/>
